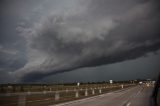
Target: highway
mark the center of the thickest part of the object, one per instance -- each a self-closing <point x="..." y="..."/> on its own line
<point x="136" y="96"/>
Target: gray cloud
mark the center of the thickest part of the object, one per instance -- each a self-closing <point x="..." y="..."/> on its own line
<point x="94" y="33"/>
<point x="11" y="59"/>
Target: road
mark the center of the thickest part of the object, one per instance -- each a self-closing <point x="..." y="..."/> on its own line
<point x="136" y="96"/>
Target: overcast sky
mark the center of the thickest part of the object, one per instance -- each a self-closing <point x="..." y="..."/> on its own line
<point x="79" y="40"/>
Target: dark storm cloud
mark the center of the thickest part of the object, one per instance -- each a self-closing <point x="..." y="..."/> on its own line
<point x="91" y="34"/>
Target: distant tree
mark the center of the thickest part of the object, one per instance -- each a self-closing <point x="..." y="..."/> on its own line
<point x="88" y="82"/>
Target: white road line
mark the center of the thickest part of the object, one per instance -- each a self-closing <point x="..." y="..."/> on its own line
<point x="139" y="92"/>
<point x="128" y="104"/>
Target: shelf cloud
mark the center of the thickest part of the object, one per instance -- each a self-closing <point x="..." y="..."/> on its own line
<point x="96" y="32"/>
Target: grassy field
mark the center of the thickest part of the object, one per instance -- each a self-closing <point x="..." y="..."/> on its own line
<point x="46" y="94"/>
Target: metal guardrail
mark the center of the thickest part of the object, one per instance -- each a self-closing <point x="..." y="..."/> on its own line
<point x="22" y="95"/>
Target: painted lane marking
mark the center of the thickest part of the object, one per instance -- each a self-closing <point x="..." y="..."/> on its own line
<point x="128" y="104"/>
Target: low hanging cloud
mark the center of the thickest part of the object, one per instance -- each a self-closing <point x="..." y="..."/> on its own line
<point x="98" y="32"/>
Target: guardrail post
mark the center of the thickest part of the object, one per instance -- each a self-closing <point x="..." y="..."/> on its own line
<point x="66" y="90"/>
<point x="57" y="97"/>
<point x="122" y="86"/>
<point x="93" y="92"/>
<point x="22" y="100"/>
<point x="100" y="91"/>
<point x="86" y="92"/>
<point x="77" y="94"/>
<point x="44" y="92"/>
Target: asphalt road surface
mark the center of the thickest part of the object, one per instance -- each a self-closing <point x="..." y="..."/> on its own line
<point x="136" y="96"/>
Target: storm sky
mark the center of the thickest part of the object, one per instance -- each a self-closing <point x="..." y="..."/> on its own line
<point x="79" y="40"/>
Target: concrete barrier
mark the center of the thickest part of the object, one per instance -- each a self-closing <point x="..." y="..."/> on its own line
<point x="44" y="92"/>
<point x="66" y="90"/>
<point x="122" y="86"/>
<point x="100" y="91"/>
<point x="93" y="92"/>
<point x="86" y="92"/>
<point x="77" y="94"/>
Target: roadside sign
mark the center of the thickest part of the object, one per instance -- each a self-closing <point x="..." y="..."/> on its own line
<point x="110" y="81"/>
<point x="78" y="84"/>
